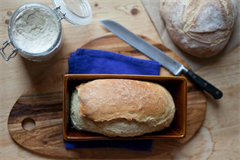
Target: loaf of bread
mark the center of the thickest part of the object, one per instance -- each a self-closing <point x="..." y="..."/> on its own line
<point x="121" y="107"/>
<point x="201" y="28"/>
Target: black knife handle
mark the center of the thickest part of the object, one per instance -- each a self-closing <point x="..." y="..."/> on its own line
<point x="216" y="93"/>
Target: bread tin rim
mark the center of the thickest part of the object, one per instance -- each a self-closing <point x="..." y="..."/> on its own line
<point x="122" y="76"/>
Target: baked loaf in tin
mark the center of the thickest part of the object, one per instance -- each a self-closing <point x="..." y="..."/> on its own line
<point x="121" y="107"/>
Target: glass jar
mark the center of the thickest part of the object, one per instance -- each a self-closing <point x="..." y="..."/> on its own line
<point x="76" y="12"/>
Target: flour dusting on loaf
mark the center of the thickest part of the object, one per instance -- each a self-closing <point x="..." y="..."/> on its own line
<point x="200" y="27"/>
<point x="121" y="107"/>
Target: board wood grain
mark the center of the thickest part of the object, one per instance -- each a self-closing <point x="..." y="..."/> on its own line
<point x="42" y="102"/>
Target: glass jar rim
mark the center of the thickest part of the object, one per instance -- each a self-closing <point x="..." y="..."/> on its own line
<point x="76" y="12"/>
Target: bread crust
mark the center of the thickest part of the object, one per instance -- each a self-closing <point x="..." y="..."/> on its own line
<point x="199" y="27"/>
<point x="121" y="107"/>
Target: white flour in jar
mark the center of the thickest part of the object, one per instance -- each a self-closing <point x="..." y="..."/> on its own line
<point x="35" y="30"/>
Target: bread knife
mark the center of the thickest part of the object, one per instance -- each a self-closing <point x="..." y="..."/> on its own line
<point x="155" y="54"/>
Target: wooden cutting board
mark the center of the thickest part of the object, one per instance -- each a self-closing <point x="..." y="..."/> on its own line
<point x="42" y="103"/>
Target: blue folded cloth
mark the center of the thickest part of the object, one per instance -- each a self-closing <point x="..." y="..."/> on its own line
<point x="88" y="61"/>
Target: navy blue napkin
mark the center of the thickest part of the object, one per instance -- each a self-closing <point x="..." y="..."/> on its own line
<point x="88" y="61"/>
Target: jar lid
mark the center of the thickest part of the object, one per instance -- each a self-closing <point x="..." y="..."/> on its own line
<point x="76" y="12"/>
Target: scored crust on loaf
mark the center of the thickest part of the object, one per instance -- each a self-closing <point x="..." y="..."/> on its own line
<point x="199" y="27"/>
<point x="125" y="108"/>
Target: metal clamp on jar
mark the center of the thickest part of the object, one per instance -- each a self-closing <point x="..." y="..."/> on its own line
<point x="35" y="30"/>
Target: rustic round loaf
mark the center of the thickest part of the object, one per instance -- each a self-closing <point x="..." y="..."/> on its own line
<point x="201" y="28"/>
<point x="121" y="107"/>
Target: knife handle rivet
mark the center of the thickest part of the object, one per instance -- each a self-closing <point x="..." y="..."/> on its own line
<point x="205" y="84"/>
<point x="217" y="92"/>
<point x="194" y="76"/>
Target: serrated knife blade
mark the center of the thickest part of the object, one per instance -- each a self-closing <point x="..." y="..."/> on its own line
<point x="154" y="53"/>
<point x="149" y="50"/>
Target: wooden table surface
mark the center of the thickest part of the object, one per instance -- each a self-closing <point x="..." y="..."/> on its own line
<point x="218" y="138"/>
